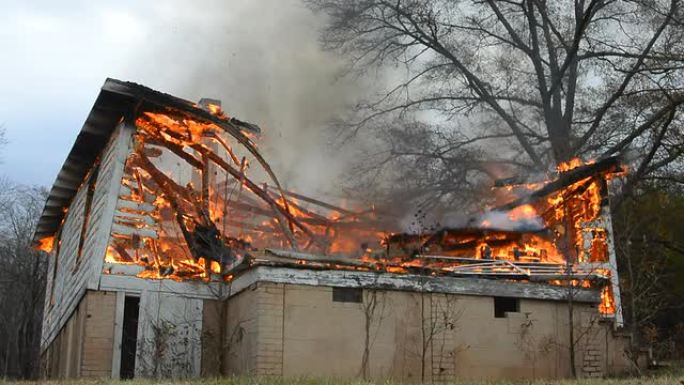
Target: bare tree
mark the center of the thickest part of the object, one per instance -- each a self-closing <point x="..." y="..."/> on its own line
<point x="22" y="281"/>
<point x="480" y="85"/>
<point x="650" y="253"/>
<point x="370" y="304"/>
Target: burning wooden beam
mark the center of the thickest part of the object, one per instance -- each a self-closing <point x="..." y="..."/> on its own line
<point x="567" y="178"/>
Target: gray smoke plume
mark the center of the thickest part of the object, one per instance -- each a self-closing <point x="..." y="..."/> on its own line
<point x="264" y="61"/>
<point x="502" y="220"/>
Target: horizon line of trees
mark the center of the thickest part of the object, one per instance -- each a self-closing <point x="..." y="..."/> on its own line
<point x="22" y="280"/>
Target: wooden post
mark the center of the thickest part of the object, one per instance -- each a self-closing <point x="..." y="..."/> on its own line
<point x="118" y="334"/>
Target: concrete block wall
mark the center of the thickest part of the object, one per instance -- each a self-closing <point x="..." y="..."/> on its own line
<point x="443" y="321"/>
<point x="321" y="338"/>
<point x="604" y="352"/>
<point x="593" y="360"/>
<point x="239" y="335"/>
<point x="298" y="330"/>
<point x="617" y="360"/>
<point x="269" y="329"/>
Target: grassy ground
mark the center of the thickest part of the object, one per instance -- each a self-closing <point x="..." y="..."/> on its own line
<point x="663" y="377"/>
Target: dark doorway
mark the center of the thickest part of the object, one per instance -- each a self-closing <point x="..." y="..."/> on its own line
<point x="129" y="337"/>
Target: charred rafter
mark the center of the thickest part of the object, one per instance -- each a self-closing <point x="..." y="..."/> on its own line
<point x="242" y="139"/>
<point x="203" y="238"/>
<point x="565" y="179"/>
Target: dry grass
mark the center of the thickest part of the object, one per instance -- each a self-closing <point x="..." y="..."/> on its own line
<point x="669" y="377"/>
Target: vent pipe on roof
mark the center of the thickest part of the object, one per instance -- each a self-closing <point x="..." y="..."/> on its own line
<point x="207" y="103"/>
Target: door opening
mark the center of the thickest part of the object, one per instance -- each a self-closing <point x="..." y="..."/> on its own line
<point x="129" y="337"/>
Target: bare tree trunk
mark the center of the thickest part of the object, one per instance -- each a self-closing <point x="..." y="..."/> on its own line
<point x="7" y="355"/>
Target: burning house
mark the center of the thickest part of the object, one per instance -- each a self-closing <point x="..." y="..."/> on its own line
<point x="174" y="251"/>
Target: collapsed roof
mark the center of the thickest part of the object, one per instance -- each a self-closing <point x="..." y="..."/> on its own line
<point x="116" y="101"/>
<point x="168" y="226"/>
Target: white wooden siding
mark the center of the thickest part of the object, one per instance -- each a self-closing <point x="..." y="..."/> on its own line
<point x="71" y="282"/>
<point x="169" y="336"/>
<point x="105" y="200"/>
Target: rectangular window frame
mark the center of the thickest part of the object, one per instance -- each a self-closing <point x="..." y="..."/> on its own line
<point x="347" y="295"/>
<point x="505" y="305"/>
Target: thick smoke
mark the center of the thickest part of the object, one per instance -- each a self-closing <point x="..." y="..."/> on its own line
<point x="264" y="61"/>
<point x="501" y="220"/>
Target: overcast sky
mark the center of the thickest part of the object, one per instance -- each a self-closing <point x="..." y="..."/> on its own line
<point x="260" y="57"/>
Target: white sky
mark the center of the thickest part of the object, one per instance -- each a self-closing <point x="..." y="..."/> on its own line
<point x="260" y="57"/>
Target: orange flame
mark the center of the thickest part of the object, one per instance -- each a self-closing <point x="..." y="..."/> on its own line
<point x="569" y="217"/>
<point x="110" y="255"/>
<point x="526" y="211"/>
<point x="46" y="244"/>
<point x="607" y="305"/>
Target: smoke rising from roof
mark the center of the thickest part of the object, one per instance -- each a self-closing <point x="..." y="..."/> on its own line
<point x="501" y="220"/>
<point x="262" y="58"/>
<point x="264" y="61"/>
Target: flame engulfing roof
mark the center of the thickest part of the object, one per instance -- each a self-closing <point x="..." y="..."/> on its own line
<point x="215" y="220"/>
<point x="567" y="177"/>
<point x="117" y="100"/>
